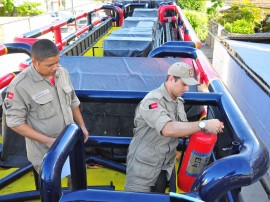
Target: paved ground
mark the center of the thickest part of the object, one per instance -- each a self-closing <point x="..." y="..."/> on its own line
<point x="254" y="192"/>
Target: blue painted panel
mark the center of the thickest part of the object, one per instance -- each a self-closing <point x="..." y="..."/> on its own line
<point x="251" y="99"/>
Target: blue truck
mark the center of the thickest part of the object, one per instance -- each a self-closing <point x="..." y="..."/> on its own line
<point x="140" y="40"/>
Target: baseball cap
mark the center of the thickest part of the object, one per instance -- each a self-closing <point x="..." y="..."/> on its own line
<point x="184" y="71"/>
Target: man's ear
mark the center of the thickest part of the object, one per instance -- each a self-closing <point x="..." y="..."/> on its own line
<point x="171" y="78"/>
<point x="34" y="62"/>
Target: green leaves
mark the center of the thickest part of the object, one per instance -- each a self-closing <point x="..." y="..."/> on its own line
<point x="242" y="19"/>
<point x="26" y="9"/>
<point x="240" y="26"/>
<point x="196" y="13"/>
<point x="199" y="22"/>
<point x="8" y="8"/>
<point x="29" y="9"/>
<point x="193" y="5"/>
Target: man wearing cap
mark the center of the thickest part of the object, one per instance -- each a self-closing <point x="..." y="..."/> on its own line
<point x="159" y="121"/>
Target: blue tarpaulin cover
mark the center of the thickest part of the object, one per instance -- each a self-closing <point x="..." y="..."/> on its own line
<point x="118" y="74"/>
<point x="135" y="38"/>
<point x="145" y="12"/>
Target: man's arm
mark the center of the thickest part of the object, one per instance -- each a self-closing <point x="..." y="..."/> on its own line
<point x="181" y="129"/>
<point x="79" y="120"/>
<point x="27" y="131"/>
<point x="158" y="118"/>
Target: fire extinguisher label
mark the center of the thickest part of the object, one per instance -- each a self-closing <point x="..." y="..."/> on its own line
<point x="197" y="162"/>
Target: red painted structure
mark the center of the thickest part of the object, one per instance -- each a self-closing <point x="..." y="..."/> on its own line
<point x="196" y="158"/>
<point x="31" y="37"/>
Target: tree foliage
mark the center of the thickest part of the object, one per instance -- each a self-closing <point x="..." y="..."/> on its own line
<point x="266" y="25"/>
<point x="193" y="5"/>
<point x="212" y="11"/>
<point x="240" y="26"/>
<point x="26" y="9"/>
<point x="8" y="8"/>
<point x="199" y="22"/>
<point x="195" y="12"/>
<point x="240" y="16"/>
<point x="29" y="9"/>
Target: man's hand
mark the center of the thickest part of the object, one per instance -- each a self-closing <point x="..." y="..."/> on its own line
<point x="49" y="142"/>
<point x="27" y="131"/>
<point x="85" y="133"/>
<point x="214" y="126"/>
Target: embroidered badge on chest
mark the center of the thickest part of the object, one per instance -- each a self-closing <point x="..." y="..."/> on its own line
<point x="40" y="94"/>
<point x="154" y="105"/>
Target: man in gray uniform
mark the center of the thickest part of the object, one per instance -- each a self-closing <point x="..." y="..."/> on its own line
<point x="159" y="121"/>
<point x="41" y="101"/>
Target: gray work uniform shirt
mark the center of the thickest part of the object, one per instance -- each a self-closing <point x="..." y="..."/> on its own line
<point x="46" y="108"/>
<point x="150" y="151"/>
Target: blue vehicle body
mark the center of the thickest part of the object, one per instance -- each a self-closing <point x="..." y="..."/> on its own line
<point x="109" y="89"/>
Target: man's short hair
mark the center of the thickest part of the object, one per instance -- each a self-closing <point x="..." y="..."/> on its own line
<point x="176" y="78"/>
<point x="43" y="49"/>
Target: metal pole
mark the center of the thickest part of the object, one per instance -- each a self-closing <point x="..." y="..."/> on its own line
<point x="72" y="7"/>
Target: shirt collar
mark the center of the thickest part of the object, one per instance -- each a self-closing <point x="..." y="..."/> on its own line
<point x="165" y="93"/>
<point x="36" y="76"/>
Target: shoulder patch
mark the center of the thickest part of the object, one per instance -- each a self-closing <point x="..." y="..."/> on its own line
<point x="10" y="95"/>
<point x="7" y="104"/>
<point x="154" y="105"/>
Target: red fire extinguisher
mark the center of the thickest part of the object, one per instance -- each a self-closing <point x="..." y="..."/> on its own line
<point x="195" y="159"/>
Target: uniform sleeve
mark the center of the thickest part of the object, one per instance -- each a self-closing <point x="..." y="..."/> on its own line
<point x="14" y="107"/>
<point x="75" y="102"/>
<point x="154" y="114"/>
